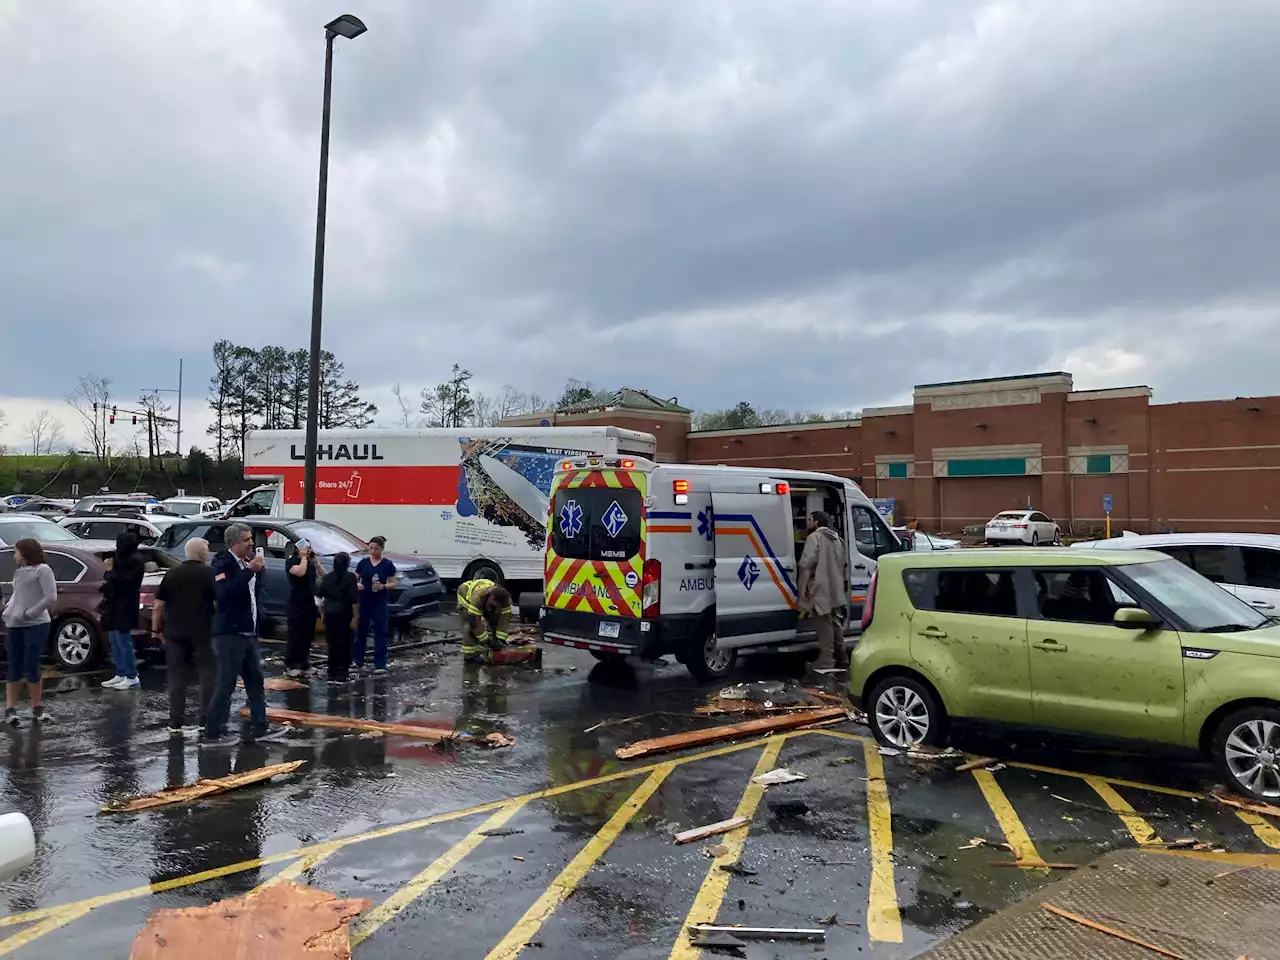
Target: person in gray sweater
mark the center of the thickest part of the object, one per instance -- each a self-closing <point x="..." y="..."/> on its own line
<point x="26" y="617"/>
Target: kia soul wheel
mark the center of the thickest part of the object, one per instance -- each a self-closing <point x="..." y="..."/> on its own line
<point x="1246" y="750"/>
<point x="903" y="712"/>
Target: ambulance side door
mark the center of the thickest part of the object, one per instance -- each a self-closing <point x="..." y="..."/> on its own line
<point x="755" y="568"/>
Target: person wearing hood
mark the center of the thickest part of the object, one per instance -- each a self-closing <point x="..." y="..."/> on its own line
<point x="824" y="590"/>
<point x="121" y="590"/>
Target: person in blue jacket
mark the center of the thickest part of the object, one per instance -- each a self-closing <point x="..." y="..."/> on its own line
<point x="375" y="579"/>
<point x="235" y="636"/>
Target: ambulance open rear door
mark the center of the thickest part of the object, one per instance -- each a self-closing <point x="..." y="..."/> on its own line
<point x="755" y="567"/>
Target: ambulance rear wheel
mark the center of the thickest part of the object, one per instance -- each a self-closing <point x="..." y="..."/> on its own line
<point x="710" y="662"/>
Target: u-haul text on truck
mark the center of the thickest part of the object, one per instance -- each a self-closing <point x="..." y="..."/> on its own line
<point x="473" y="501"/>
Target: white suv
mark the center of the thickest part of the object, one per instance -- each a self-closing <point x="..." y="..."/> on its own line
<point x="1245" y="564"/>
<point x="1022" y="526"/>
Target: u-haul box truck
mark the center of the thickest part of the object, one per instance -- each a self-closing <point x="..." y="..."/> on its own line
<point x="472" y="501"/>
<point x="697" y="561"/>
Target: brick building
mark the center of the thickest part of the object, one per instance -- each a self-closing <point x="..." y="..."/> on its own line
<point x="962" y="451"/>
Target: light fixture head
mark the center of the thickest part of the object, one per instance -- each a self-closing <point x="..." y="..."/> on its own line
<point x="346" y="26"/>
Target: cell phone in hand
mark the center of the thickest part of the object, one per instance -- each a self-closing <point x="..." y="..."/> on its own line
<point x="304" y="544"/>
<point x="259" y="553"/>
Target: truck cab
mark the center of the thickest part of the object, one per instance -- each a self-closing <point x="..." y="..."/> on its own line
<point x="696" y="561"/>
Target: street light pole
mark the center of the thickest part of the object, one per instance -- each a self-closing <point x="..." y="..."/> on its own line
<point x="349" y="27"/>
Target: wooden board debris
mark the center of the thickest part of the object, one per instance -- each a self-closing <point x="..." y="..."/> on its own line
<point x="1035" y="864"/>
<point x="277" y="683"/>
<point x="1110" y="931"/>
<point x="977" y="763"/>
<point x="1240" y="803"/>
<point x="283" y="921"/>
<point x="191" y="792"/>
<point x="359" y="723"/>
<point x="710" y="830"/>
<point x="750" y="728"/>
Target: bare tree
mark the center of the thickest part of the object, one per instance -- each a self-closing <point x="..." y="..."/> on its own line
<point x="91" y="399"/>
<point x="157" y="425"/>
<point x="43" y="431"/>
<point x="408" y="417"/>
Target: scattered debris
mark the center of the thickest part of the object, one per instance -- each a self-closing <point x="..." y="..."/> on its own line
<point x="277" y="683"/>
<point x="827" y="671"/>
<point x="996" y="767"/>
<point x="977" y="763"/>
<point x="737" y="869"/>
<point x="615" y="723"/>
<point x="789" y="808"/>
<point x="281" y="920"/>
<point x="779" y="775"/>
<point x="823" y="695"/>
<point x="1112" y="931"/>
<point x="760" y="690"/>
<point x="890" y="752"/>
<point x="358" y="723"/>
<point x="372" y="735"/>
<point x="201" y="788"/>
<point x="710" y="830"/>
<point x="922" y="752"/>
<point x="718" y="850"/>
<point x="495" y="740"/>
<point x="696" y="738"/>
<point x="717" y="941"/>
<point x="762" y="933"/>
<point x="521" y="859"/>
<point x="1155" y="815"/>
<point x="1229" y="873"/>
<point x="830" y="921"/>
<point x="1035" y="864"/>
<point x="500" y="832"/>
<point x="841" y="761"/>
<point x="1240" y="803"/>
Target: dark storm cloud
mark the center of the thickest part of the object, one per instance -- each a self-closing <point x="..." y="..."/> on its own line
<point x="806" y="205"/>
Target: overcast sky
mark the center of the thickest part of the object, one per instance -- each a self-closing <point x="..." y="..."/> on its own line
<point x="801" y="204"/>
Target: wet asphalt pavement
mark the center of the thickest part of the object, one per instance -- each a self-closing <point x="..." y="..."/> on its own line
<point x="590" y="870"/>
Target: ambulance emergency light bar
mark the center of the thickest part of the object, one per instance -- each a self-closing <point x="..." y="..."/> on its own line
<point x="781" y="488"/>
<point x="597" y="461"/>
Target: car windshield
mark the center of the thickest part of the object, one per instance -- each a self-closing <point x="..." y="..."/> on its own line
<point x="188" y="508"/>
<point x="326" y="539"/>
<point x="1204" y="605"/>
<point x="46" y="531"/>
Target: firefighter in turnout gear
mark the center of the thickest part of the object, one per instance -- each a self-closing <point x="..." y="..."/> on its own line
<point x="485" y="610"/>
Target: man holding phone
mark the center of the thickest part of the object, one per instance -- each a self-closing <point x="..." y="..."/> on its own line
<point x="235" y="635"/>
<point x="375" y="579"/>
<point x="304" y="569"/>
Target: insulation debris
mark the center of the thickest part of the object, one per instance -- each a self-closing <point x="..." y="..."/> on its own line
<point x="283" y="921"/>
<point x="780" y="775"/>
<point x="189" y="793"/>
<point x="696" y="738"/>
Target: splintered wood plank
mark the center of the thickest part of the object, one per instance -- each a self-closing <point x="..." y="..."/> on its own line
<point x="201" y="788"/>
<point x="283" y="921"/>
<point x="733" y="731"/>
<point x="358" y="723"/>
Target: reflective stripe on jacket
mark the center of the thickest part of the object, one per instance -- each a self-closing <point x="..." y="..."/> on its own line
<point x="471" y="604"/>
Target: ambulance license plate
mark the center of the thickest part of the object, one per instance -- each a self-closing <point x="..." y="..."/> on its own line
<point x="609" y="629"/>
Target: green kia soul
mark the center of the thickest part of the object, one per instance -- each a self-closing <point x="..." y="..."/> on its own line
<point x="1123" y="644"/>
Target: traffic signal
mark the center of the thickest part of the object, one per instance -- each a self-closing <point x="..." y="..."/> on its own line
<point x="113" y="413"/>
<point x="112" y="418"/>
<point x="135" y="419"/>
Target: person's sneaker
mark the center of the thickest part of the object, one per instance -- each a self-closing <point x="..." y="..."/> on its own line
<point x="127" y="683"/>
<point x="221" y="740"/>
<point x="380" y="671"/>
<point x="39" y="715"/>
<point x="274" y="731"/>
<point x="11" y="716"/>
<point x="113" y="682"/>
<point x="175" y="731"/>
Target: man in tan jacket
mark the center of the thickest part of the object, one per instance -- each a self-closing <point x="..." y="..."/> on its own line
<point x="824" y="591"/>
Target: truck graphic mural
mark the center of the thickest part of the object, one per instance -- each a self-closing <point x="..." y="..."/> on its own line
<point x="509" y="485"/>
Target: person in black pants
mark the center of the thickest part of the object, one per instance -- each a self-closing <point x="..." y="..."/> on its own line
<point x="304" y="571"/>
<point x="184" y="605"/>
<point x="339" y="594"/>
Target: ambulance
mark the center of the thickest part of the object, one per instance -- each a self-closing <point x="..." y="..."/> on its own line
<point x="701" y="562"/>
<point x="473" y="500"/>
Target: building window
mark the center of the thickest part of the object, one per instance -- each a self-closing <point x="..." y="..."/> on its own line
<point x="1000" y="467"/>
<point x="1098" y="464"/>
<point x="897" y="471"/>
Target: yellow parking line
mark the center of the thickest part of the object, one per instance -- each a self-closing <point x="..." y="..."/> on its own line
<point x="1261" y="828"/>
<point x="391" y="907"/>
<point x="571" y="875"/>
<point x="38" y="930"/>
<point x="301" y="865"/>
<point x="1024" y="850"/>
<point x="102" y="900"/>
<point x="884" y="922"/>
<point x="706" y="905"/>
<point x="1142" y="831"/>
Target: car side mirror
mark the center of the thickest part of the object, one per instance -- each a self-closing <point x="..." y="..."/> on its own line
<point x="1135" y="618"/>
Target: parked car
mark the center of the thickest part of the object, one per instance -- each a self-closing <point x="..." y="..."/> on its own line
<point x="16" y="500"/>
<point x="76" y="641"/>
<point x="21" y="526"/>
<point x="17" y="845"/>
<point x="202" y="507"/>
<point x="44" y="507"/>
<point x="1022" y="526"/>
<point x="146" y="529"/>
<point x="1117" y="643"/>
<point x="142" y="508"/>
<point x="1244" y="564"/>
<point x="418" y="589"/>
